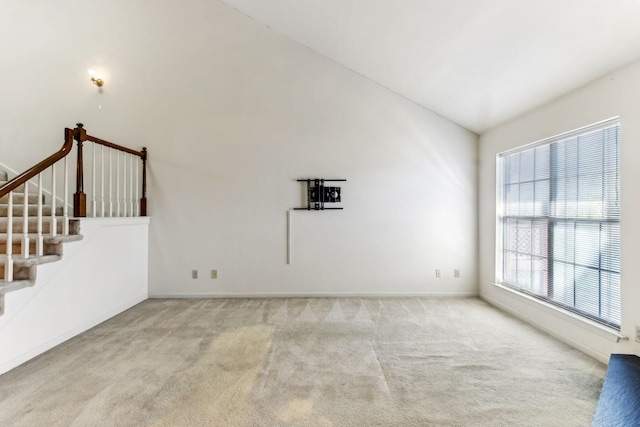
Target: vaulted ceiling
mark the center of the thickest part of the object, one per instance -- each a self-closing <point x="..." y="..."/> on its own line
<point x="478" y="63"/>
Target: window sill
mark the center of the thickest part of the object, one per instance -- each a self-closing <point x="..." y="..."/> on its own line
<point x="565" y="315"/>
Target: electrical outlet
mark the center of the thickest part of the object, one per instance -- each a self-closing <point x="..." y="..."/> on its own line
<point x="214" y="274"/>
<point x="194" y="274"/>
<point x="637" y="333"/>
<point x="437" y="272"/>
<point x="456" y="272"/>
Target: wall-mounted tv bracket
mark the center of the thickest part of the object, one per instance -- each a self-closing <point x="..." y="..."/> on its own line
<point x="318" y="194"/>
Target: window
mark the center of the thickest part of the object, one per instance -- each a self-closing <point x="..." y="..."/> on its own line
<point x="560" y="221"/>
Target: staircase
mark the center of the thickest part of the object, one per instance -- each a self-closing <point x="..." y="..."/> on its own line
<point x="27" y="238"/>
<point x="25" y="269"/>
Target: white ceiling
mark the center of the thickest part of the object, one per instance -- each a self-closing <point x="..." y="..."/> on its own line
<point x="478" y="63"/>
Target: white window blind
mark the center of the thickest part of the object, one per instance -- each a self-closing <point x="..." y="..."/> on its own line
<point x="560" y="221"/>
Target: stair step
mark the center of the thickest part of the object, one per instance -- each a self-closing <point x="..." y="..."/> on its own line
<point x="74" y="225"/>
<point x="3" y="176"/>
<point x="19" y="272"/>
<point x="16" y="247"/>
<point x="32" y="210"/>
<point x="24" y="269"/>
<point x="47" y="239"/>
<point x="6" y="287"/>
<point x="18" y="194"/>
<point x="51" y="244"/>
<point x="18" y="198"/>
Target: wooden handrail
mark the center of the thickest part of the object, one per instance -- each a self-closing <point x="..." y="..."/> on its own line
<point x="140" y="154"/>
<point x="40" y="167"/>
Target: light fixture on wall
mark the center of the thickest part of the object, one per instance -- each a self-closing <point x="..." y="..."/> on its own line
<point x="96" y="80"/>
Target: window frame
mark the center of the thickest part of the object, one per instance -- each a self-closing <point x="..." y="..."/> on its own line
<point x="500" y="243"/>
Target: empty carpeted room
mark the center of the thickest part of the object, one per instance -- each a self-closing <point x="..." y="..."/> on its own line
<point x="319" y="213"/>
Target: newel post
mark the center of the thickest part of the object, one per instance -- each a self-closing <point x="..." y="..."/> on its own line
<point x="143" y="199"/>
<point x="79" y="198"/>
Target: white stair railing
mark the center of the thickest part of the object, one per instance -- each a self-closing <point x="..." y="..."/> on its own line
<point x="118" y="173"/>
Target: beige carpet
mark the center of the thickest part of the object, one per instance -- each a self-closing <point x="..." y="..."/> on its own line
<point x="306" y="362"/>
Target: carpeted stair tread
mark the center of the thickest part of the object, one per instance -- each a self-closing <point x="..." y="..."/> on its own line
<point x="51" y="245"/>
<point x="18" y="210"/>
<point x="25" y="269"/>
<point x="18" y="198"/>
<point x="17" y="237"/>
<point x="74" y="225"/>
<point x="19" y="260"/>
<point x="6" y="287"/>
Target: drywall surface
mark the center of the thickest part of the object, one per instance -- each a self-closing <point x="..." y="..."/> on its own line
<point x="97" y="278"/>
<point x="615" y="95"/>
<point x="232" y="114"/>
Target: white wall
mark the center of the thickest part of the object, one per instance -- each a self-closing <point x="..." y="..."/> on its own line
<point x="617" y="94"/>
<point x="232" y="114"/>
<point x="97" y="278"/>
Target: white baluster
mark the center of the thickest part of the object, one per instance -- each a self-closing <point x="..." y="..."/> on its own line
<point x="54" y="220"/>
<point x="131" y="185"/>
<point x="118" y="184"/>
<point x="137" y="187"/>
<point x="25" y="222"/>
<point x="39" y="239"/>
<point x="102" y="181"/>
<point x="124" y="182"/>
<point x="110" y="184"/>
<point x="8" y="265"/>
<point x="93" y="179"/>
<point x="65" y="204"/>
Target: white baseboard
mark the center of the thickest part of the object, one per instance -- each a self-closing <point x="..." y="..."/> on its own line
<point x="17" y="361"/>
<point x="318" y="295"/>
